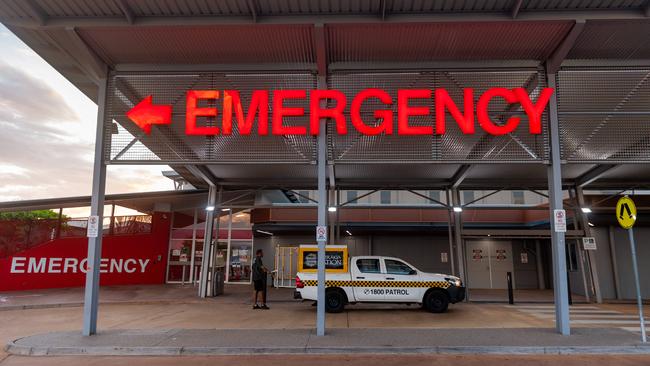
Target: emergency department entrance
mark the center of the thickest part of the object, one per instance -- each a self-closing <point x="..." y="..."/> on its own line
<point x="488" y="262"/>
<point x="550" y="98"/>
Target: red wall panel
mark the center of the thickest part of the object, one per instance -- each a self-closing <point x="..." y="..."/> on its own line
<point x="128" y="259"/>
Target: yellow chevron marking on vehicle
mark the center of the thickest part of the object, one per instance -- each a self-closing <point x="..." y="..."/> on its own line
<point x="341" y="283"/>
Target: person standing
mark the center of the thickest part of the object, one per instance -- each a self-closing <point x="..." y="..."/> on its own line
<point x="259" y="280"/>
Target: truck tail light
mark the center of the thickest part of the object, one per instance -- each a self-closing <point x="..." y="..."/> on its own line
<point x="299" y="283"/>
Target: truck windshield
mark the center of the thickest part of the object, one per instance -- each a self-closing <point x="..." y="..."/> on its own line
<point x="397" y="267"/>
<point x="368" y="265"/>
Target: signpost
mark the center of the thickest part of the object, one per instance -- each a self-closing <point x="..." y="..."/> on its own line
<point x="626" y="216"/>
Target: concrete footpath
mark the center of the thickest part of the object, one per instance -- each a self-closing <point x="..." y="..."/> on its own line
<point x="151" y="342"/>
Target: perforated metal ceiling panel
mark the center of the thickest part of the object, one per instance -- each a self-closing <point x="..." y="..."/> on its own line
<point x="202" y="44"/>
<point x="604" y="114"/>
<point x="169" y="143"/>
<point x="421" y="42"/>
<point x="611" y="39"/>
<point x="453" y="146"/>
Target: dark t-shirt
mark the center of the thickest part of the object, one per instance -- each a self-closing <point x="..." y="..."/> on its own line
<point x="258" y="269"/>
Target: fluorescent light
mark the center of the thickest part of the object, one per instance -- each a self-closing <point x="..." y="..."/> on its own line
<point x="264" y="232"/>
<point x="458" y="209"/>
<point x="590" y="224"/>
<point x="586" y="210"/>
<point x="209" y="208"/>
<point x="225" y="209"/>
<point x="331" y="209"/>
<point x="348" y="231"/>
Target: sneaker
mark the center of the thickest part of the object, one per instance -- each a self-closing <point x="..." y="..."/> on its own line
<point x="256" y="307"/>
<point x="264" y="307"/>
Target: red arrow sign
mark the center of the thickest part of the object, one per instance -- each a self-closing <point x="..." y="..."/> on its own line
<point x="145" y="114"/>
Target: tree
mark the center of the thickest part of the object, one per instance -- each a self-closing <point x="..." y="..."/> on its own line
<point x="29" y="215"/>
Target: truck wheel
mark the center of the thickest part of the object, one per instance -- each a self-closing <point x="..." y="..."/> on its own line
<point x="436" y="301"/>
<point x="334" y="301"/>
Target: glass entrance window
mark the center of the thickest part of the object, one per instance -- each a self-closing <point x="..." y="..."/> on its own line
<point x="240" y="262"/>
<point x="234" y="247"/>
<point x="240" y="247"/>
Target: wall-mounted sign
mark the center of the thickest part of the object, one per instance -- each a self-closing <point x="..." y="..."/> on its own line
<point x="336" y="258"/>
<point x="524" y="257"/>
<point x="501" y="254"/>
<point x="477" y="254"/>
<point x="559" y="221"/>
<point x="146" y="114"/>
<point x="444" y="257"/>
<point x="76" y="265"/>
<point x="589" y="243"/>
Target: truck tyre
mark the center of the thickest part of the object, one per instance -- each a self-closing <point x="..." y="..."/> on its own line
<point x="436" y="301"/>
<point x="334" y="300"/>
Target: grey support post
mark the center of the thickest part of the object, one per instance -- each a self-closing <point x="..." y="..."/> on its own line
<point x="322" y="217"/>
<point x="207" y="240"/>
<point x="91" y="291"/>
<point x="458" y="238"/>
<point x="558" y="246"/>
<point x="591" y="255"/>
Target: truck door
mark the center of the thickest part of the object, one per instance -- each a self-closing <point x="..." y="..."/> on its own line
<point x="400" y="282"/>
<point x="367" y="278"/>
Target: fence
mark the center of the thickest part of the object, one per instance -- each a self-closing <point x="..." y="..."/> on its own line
<point x="17" y="235"/>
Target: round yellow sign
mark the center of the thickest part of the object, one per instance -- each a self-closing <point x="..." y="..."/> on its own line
<point x="626" y="212"/>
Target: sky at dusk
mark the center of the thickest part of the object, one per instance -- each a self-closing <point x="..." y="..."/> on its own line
<point x="47" y="131"/>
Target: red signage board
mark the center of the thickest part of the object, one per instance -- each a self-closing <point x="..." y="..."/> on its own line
<point x="126" y="260"/>
<point x="202" y="104"/>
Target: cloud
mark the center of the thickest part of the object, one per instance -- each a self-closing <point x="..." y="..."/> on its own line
<point x="12" y="169"/>
<point x="44" y="151"/>
<point x="33" y="103"/>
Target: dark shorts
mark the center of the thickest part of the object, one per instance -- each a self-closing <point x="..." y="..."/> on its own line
<point x="259" y="285"/>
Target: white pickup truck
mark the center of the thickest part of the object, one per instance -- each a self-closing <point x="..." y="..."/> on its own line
<point x="382" y="279"/>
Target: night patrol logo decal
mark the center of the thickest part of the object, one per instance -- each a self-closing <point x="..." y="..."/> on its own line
<point x="336" y="283"/>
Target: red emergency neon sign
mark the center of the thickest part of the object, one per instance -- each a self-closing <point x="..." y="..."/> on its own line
<point x="202" y="104"/>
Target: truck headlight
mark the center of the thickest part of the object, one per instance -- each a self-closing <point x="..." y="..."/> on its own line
<point x="454" y="281"/>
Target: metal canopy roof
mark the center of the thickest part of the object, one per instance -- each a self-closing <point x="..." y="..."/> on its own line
<point x="432" y="42"/>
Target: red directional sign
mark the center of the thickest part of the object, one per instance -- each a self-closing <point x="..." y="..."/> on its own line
<point x="145" y="114"/>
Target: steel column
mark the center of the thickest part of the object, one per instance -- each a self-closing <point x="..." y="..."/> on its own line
<point x="591" y="255"/>
<point x="193" y="254"/>
<point x="207" y="239"/>
<point x="579" y="251"/>
<point x="458" y="237"/>
<point x="213" y="247"/>
<point x="322" y="215"/>
<point x="91" y="291"/>
<point x="558" y="247"/>
<point x="612" y="251"/>
<point x="451" y="236"/>
<point x="541" y="283"/>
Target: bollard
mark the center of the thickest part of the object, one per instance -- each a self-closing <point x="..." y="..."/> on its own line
<point x="511" y="299"/>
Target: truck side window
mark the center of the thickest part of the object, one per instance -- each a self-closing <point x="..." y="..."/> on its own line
<point x="368" y="265"/>
<point x="397" y="267"/>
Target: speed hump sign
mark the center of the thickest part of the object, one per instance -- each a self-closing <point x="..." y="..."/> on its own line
<point x="626" y="212"/>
